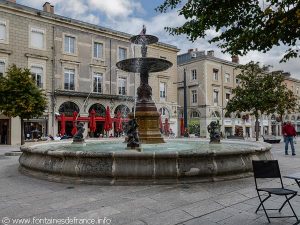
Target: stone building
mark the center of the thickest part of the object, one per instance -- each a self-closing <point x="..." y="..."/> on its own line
<point x="209" y="85"/>
<point x="74" y="62"/>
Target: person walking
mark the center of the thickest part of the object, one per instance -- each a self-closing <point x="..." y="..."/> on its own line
<point x="289" y="133"/>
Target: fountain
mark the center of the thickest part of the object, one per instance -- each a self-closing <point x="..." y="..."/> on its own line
<point x="176" y="161"/>
<point x="146" y="112"/>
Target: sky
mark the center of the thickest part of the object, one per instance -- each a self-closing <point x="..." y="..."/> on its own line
<point x="129" y="16"/>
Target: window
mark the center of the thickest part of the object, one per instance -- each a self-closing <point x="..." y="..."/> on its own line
<point x="297" y="90"/>
<point x="162" y="90"/>
<point x="195" y="114"/>
<point x="164" y="112"/>
<point x="216" y="96"/>
<point x="3" y="31"/>
<point x="122" y="53"/>
<point x="69" y="79"/>
<point x="98" y="50"/>
<point x="215" y="74"/>
<point x="194" y="96"/>
<point x="37" y="75"/>
<point x="2" y="68"/>
<point x="227" y="77"/>
<point x="227" y="96"/>
<point x="122" y="82"/>
<point x="194" y="74"/>
<point x="69" y="44"/>
<point x="237" y="81"/>
<point x="97" y="82"/>
<point x="37" y="38"/>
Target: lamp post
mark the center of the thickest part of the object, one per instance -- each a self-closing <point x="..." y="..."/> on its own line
<point x="184" y="100"/>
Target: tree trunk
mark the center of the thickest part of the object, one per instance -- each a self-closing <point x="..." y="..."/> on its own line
<point x="256" y="128"/>
<point x="22" y="132"/>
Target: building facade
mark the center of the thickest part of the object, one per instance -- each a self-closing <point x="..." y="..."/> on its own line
<point x="75" y="63"/>
<point x="209" y="84"/>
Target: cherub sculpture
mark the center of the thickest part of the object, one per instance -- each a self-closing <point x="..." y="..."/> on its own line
<point x="133" y="140"/>
<point x="214" y="130"/>
<point x="78" y="137"/>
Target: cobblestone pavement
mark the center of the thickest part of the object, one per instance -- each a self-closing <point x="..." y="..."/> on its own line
<point x="227" y="202"/>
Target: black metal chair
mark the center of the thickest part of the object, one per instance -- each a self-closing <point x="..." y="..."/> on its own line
<point x="270" y="169"/>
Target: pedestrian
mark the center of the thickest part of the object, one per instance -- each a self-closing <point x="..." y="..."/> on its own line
<point x="289" y="133"/>
<point x="284" y="137"/>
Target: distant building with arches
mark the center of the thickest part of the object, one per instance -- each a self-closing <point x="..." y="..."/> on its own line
<point x="209" y="84"/>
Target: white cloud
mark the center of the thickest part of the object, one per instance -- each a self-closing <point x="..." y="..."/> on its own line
<point x="116" y="8"/>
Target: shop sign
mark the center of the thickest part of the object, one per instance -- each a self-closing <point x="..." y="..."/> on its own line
<point x="227" y="122"/>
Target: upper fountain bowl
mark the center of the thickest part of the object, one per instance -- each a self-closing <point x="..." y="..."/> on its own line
<point x="138" y="65"/>
<point x="143" y="39"/>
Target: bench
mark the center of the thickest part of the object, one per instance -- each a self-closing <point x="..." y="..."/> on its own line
<point x="271" y="139"/>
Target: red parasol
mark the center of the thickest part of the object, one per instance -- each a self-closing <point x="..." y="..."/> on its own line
<point x="62" y="124"/>
<point x="74" y="130"/>
<point x="160" y="123"/>
<point x="167" y="127"/>
<point x="119" y="127"/>
<point x="108" y="120"/>
<point x="181" y="126"/>
<point x="92" y="121"/>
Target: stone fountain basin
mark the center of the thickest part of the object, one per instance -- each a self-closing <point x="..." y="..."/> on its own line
<point x="64" y="162"/>
<point x="148" y="64"/>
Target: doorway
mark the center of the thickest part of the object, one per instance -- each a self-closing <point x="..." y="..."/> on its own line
<point x="4" y="135"/>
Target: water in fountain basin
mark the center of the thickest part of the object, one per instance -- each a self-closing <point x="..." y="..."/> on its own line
<point x="170" y="146"/>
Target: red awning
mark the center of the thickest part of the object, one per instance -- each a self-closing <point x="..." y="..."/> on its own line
<point x="62" y="124"/>
<point x="119" y="127"/>
<point x="167" y="127"/>
<point x="92" y="121"/>
<point x="74" y="130"/>
<point x="108" y="120"/>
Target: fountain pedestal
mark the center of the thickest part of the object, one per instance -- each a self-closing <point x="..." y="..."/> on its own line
<point x="148" y="119"/>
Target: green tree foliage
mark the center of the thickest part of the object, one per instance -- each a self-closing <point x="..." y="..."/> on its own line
<point x="260" y="92"/>
<point x="20" y="96"/>
<point x="241" y="25"/>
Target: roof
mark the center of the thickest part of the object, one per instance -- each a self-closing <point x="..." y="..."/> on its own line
<point x="206" y="57"/>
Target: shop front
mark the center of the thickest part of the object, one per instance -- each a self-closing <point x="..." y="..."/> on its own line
<point x="35" y="128"/>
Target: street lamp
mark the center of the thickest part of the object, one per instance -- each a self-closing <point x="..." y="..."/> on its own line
<point x="184" y="99"/>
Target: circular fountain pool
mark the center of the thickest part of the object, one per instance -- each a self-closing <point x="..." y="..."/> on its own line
<point x="107" y="161"/>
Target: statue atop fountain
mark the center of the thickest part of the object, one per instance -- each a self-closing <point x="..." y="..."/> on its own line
<point x="78" y="137"/>
<point x="146" y="112"/>
<point x="214" y="132"/>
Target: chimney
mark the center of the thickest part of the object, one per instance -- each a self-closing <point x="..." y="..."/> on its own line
<point x="13" y="1"/>
<point x="235" y="59"/>
<point x="190" y="50"/>
<point x="47" y="7"/>
<point x="211" y="53"/>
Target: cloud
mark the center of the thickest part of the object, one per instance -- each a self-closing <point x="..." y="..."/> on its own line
<point x="116" y="8"/>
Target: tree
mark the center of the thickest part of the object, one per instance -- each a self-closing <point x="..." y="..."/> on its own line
<point x="20" y="96"/>
<point x="240" y="25"/>
<point x="287" y="103"/>
<point x="260" y="92"/>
